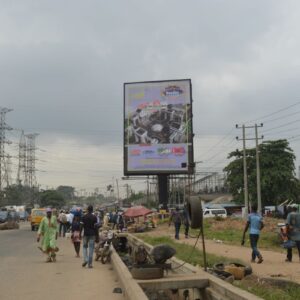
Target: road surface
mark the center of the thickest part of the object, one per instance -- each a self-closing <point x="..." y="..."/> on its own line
<point x="25" y="275"/>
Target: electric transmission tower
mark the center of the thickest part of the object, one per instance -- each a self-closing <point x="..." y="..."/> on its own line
<point x="3" y="141"/>
<point x="22" y="172"/>
<point x="30" y="159"/>
<point x="7" y="170"/>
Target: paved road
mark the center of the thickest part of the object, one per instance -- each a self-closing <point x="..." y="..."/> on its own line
<point x="25" y="275"/>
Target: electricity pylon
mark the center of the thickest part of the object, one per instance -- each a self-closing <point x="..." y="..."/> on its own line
<point x="30" y="159"/>
<point x="22" y="172"/>
<point x="3" y="141"/>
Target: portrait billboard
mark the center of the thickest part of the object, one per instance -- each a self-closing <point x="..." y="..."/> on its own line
<point x="158" y="136"/>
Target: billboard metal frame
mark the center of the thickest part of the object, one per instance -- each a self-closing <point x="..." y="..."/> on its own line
<point x="190" y="144"/>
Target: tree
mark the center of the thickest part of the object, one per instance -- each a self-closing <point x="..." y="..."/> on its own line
<point x="52" y="198"/>
<point x="68" y="192"/>
<point x="278" y="181"/>
<point x="17" y="194"/>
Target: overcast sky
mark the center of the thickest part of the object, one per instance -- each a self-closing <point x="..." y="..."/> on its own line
<point x="63" y="65"/>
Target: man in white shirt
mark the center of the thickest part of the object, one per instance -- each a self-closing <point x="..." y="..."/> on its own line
<point x="69" y="220"/>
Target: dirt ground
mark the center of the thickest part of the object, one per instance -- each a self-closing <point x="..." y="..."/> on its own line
<point x="274" y="264"/>
<point x="25" y="275"/>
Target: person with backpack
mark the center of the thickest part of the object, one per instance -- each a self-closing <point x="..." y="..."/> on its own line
<point x="176" y="218"/>
<point x="62" y="219"/>
<point x="293" y="225"/>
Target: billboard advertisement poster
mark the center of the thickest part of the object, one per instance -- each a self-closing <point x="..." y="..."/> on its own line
<point x="158" y="134"/>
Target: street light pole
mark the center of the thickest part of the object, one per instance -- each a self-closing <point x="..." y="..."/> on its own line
<point x="195" y="170"/>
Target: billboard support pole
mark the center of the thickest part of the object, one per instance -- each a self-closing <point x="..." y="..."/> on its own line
<point x="163" y="190"/>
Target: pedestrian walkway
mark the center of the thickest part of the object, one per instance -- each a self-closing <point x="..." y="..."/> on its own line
<point x="26" y="275"/>
<point x="273" y="265"/>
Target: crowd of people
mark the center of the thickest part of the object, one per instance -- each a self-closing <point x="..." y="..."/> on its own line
<point x="81" y="227"/>
<point x="85" y="228"/>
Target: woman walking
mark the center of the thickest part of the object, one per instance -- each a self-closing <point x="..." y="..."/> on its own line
<point x="48" y="230"/>
<point x="76" y="234"/>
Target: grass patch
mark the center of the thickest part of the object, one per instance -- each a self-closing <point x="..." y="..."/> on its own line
<point x="183" y="251"/>
<point x="250" y="284"/>
<point x="268" y="291"/>
<point x="231" y="231"/>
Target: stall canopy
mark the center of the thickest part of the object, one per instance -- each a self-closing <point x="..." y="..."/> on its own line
<point x="137" y="211"/>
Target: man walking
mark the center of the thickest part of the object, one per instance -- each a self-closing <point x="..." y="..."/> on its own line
<point x="62" y="219"/>
<point x="186" y="222"/>
<point x="256" y="224"/>
<point x="293" y="223"/>
<point x="90" y="236"/>
<point x="176" y="218"/>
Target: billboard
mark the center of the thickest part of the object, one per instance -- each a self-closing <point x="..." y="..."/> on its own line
<point x="158" y="135"/>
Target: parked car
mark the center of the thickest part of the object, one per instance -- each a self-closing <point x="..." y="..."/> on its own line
<point x="215" y="212"/>
<point x="3" y="216"/>
<point x="23" y="215"/>
<point x="37" y="215"/>
<point x="8" y="215"/>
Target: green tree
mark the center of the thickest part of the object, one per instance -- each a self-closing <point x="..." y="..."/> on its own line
<point x="277" y="168"/>
<point x="17" y="194"/>
<point x="52" y="198"/>
<point x="68" y="192"/>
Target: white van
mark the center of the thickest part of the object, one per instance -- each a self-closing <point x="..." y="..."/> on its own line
<point x="214" y="212"/>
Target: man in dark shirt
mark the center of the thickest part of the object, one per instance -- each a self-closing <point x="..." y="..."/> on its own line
<point x="176" y="218"/>
<point x="90" y="235"/>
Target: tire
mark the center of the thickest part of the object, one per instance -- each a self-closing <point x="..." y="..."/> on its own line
<point x="221" y="266"/>
<point x="194" y="208"/>
<point x="226" y="276"/>
<point x="105" y="257"/>
<point x="32" y="228"/>
<point x="147" y="273"/>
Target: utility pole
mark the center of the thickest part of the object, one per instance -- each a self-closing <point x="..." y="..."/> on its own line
<point x="119" y="200"/>
<point x="259" y="206"/>
<point x="148" y="189"/>
<point x="245" y="168"/>
<point x="3" y="141"/>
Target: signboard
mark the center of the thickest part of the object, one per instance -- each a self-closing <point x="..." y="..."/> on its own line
<point x="158" y="135"/>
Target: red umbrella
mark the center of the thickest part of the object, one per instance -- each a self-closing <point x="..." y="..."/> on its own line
<point x="137" y="211"/>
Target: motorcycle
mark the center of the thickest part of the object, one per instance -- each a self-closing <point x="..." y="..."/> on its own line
<point x="103" y="250"/>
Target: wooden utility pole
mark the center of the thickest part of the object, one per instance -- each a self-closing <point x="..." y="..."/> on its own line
<point x="259" y="205"/>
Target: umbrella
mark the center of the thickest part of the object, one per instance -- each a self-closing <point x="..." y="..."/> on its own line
<point x="137" y="211"/>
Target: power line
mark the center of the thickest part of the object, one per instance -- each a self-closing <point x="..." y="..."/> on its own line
<point x="282" y="117"/>
<point x="274" y="113"/>
<point x="220" y="141"/>
<point x="282" y="125"/>
<point x="286" y="130"/>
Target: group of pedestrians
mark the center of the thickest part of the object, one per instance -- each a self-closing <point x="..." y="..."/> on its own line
<point x="254" y="224"/>
<point x="178" y="218"/>
<point x="50" y="227"/>
<point x="85" y="229"/>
